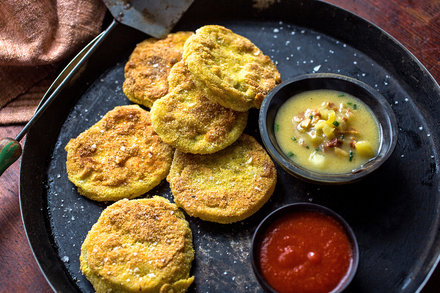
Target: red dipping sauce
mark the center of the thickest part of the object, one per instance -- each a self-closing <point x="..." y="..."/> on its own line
<point x="305" y="251"/>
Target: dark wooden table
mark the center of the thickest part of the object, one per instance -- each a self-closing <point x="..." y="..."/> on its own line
<point x="415" y="23"/>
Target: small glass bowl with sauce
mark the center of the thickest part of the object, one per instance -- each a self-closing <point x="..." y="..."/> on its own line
<point x="318" y="143"/>
<point x="304" y="247"/>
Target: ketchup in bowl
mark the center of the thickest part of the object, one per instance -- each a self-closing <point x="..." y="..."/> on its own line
<point x="305" y="250"/>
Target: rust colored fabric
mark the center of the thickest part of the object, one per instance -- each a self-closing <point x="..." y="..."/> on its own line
<point x="35" y="36"/>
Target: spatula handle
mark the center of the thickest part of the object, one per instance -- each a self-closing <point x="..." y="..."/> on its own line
<point x="10" y="151"/>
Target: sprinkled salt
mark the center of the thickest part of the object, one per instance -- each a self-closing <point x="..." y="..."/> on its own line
<point x="156" y="65"/>
<point x="287" y="43"/>
<point x="275" y="30"/>
<point x="122" y="148"/>
<point x="316" y="68"/>
<point x="420" y="128"/>
<point x="65" y="258"/>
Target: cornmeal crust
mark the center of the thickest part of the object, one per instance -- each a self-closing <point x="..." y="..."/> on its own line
<point x="230" y="68"/>
<point x="188" y="121"/>
<point x="148" y="67"/>
<point x="226" y="186"/>
<point x="142" y="245"/>
<point x="119" y="157"/>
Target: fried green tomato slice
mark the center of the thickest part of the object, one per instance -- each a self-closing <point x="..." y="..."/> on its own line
<point x="230" y="68"/>
<point x="224" y="187"/>
<point x="148" y="67"/>
<point x="121" y="156"/>
<point x="191" y="123"/>
<point x="142" y="245"/>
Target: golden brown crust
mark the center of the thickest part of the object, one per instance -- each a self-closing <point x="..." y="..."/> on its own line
<point x="140" y="245"/>
<point x="148" y="67"/>
<point x="224" y="187"/>
<point x="120" y="156"/>
<point x="231" y="69"/>
<point x="188" y="121"/>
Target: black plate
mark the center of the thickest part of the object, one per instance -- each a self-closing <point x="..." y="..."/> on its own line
<point x="394" y="212"/>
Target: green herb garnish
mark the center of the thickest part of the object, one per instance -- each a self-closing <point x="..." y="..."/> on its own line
<point x="353" y="105"/>
<point x="311" y="116"/>
<point x="317" y="149"/>
<point x="290" y="154"/>
<point x="293" y="138"/>
<point x="336" y="123"/>
<point x="307" y="147"/>
<point x="341" y="95"/>
<point x="342" y="136"/>
<point x="277" y="127"/>
<point x="350" y="156"/>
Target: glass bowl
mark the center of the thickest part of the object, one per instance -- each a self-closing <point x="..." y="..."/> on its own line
<point x="377" y="103"/>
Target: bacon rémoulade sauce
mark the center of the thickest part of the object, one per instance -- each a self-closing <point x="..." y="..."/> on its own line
<point x="305" y="251"/>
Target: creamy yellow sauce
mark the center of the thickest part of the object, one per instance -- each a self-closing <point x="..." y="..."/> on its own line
<point x="327" y="131"/>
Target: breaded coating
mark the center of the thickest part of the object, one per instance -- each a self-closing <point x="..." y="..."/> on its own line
<point x="142" y="245"/>
<point x="226" y="186"/>
<point x="191" y="123"/>
<point x="148" y="67"/>
<point x="121" y="156"/>
<point x="230" y="68"/>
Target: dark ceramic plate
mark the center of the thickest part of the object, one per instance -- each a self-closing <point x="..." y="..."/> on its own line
<point x="393" y="212"/>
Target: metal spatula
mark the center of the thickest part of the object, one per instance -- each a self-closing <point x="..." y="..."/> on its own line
<point x="153" y="17"/>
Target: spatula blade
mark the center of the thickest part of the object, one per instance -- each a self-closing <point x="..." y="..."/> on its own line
<point x="153" y="17"/>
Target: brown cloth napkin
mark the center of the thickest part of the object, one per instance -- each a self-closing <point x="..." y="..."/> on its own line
<point x="35" y="35"/>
